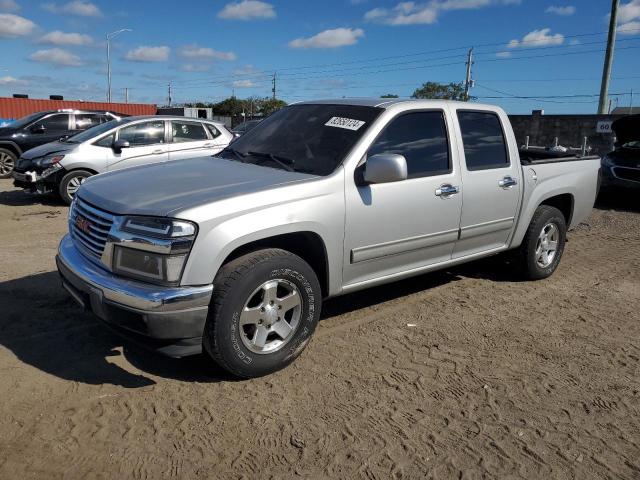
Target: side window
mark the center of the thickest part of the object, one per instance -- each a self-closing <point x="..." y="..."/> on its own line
<point x="483" y="140"/>
<point x="187" y="132"/>
<point x="213" y="130"/>
<point x="106" y="142"/>
<point x="56" y="123"/>
<point x="88" y="120"/>
<point x="422" y="138"/>
<point x="145" y="133"/>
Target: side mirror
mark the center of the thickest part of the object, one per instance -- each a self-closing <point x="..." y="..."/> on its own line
<point x="38" y="128"/>
<point x="385" y="168"/>
<point x="118" y="145"/>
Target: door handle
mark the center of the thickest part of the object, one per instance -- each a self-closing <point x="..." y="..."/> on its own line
<point x="447" y="190"/>
<point x="159" y="150"/>
<point x="208" y="145"/>
<point x="508" y="182"/>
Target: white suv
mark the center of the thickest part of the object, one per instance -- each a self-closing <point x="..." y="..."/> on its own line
<point x="63" y="165"/>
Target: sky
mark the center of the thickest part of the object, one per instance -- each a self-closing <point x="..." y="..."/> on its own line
<point x="550" y="51"/>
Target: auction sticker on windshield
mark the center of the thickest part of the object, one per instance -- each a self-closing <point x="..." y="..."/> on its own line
<point x="348" y="123"/>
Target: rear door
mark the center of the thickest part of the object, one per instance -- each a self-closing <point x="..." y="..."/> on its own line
<point x="491" y="182"/>
<point x="147" y="144"/>
<point x="48" y="129"/>
<point x="190" y="139"/>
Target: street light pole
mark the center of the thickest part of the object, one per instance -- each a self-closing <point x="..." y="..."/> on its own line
<point x="109" y="36"/>
<point x="608" y="58"/>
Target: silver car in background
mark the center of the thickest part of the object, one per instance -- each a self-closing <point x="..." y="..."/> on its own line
<point x="62" y="166"/>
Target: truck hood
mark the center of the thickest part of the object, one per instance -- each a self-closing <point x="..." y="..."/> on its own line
<point x="48" y="149"/>
<point x="164" y="188"/>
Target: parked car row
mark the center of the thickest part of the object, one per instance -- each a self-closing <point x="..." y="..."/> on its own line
<point x="44" y="127"/>
<point x="111" y="144"/>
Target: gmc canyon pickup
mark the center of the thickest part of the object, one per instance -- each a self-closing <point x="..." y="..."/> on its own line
<point x="234" y="253"/>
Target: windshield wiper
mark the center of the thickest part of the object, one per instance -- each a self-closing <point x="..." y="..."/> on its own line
<point x="237" y="153"/>
<point x="284" y="162"/>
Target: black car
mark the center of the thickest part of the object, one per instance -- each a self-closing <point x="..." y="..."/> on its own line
<point x="244" y="127"/>
<point x="621" y="168"/>
<point x="43" y="127"/>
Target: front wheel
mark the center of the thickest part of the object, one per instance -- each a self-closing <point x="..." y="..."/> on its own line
<point x="71" y="182"/>
<point x="543" y="244"/>
<point x="7" y="162"/>
<point x="265" y="307"/>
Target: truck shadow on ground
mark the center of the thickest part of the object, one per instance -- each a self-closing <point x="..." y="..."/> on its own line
<point x="20" y="198"/>
<point x="46" y="329"/>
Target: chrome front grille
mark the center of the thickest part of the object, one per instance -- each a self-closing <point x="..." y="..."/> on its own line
<point x="89" y="227"/>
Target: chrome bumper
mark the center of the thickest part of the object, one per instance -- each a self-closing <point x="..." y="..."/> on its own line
<point x="174" y="315"/>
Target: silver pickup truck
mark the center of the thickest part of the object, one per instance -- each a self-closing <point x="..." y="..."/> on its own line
<point x="235" y="253"/>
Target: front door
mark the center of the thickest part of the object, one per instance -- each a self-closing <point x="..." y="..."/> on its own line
<point x="405" y="225"/>
<point x="147" y="144"/>
<point x="491" y="181"/>
<point x="48" y="129"/>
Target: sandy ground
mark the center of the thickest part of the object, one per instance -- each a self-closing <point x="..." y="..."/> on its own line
<point x="466" y="373"/>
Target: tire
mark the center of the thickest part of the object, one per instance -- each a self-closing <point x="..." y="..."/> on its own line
<point x="245" y="331"/>
<point x="539" y="259"/>
<point x="70" y="184"/>
<point x="7" y="162"/>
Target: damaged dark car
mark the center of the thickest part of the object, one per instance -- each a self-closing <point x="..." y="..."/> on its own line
<point x="621" y="167"/>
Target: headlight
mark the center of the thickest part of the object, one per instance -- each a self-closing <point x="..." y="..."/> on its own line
<point x="158" y="227"/>
<point x="156" y="252"/>
<point x="48" y="161"/>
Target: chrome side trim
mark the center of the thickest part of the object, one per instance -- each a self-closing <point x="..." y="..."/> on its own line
<point x="487" y="227"/>
<point x="395" y="247"/>
<point x="74" y="266"/>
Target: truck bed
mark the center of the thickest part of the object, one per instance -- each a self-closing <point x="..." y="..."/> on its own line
<point x="536" y="157"/>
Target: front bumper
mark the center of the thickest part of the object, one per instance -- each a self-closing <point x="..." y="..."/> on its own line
<point x="170" y="320"/>
<point x="41" y="181"/>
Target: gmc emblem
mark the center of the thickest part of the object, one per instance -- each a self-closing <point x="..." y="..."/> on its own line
<point x="83" y="224"/>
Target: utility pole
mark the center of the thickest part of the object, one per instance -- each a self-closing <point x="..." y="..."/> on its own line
<point x="169" y="93"/>
<point x="608" y="58"/>
<point x="468" y="81"/>
<point x="126" y="94"/>
<point x="273" y="89"/>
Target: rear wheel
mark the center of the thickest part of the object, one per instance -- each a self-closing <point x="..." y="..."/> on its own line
<point x="543" y="244"/>
<point x="7" y="162"/>
<point x="71" y="182"/>
<point x="265" y="308"/>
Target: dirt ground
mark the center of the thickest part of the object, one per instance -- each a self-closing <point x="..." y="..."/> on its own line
<point x="466" y="373"/>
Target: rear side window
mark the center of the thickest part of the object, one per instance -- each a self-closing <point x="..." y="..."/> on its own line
<point x="483" y="140"/>
<point x="421" y="137"/>
<point x="145" y="133"/>
<point x="213" y="130"/>
<point x="187" y="132"/>
<point x="56" y="123"/>
<point x="88" y="120"/>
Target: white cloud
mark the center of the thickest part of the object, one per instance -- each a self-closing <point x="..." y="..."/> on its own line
<point x="562" y="11"/>
<point x="148" y="54"/>
<point x="61" y="38"/>
<point x="629" y="18"/>
<point x="195" y="67"/>
<point x="246" y="70"/>
<point x="334" y="38"/>
<point x="247" y="10"/>
<point x="15" y="26"/>
<point x="243" y="84"/>
<point x="629" y="28"/>
<point x="503" y="54"/>
<point x="9" y="6"/>
<point x="56" y="56"/>
<point x="538" y="38"/>
<point x="195" y="51"/>
<point x="412" y="13"/>
<point x="76" y="7"/>
<point x="629" y="11"/>
<point x="9" y="81"/>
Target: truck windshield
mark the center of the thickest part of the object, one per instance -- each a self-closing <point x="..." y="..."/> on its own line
<point x="304" y="138"/>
